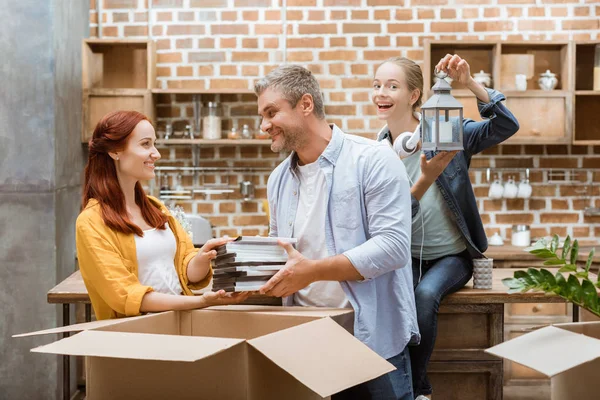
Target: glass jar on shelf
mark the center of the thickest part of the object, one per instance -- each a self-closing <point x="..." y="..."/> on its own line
<point x="261" y="135"/>
<point x="233" y="134"/>
<point x="246" y="133"/>
<point x="211" y="121"/>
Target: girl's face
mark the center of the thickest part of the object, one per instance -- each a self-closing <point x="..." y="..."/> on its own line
<point x="136" y="161"/>
<point x="390" y="94"/>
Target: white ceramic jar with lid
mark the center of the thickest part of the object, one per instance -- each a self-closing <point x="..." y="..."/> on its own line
<point x="521" y="236"/>
<point x="211" y="121"/>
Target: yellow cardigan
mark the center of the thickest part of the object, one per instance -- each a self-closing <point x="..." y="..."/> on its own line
<point x="108" y="263"/>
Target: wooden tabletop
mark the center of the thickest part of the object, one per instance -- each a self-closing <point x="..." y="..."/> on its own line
<point x="72" y="290"/>
<point x="515" y="253"/>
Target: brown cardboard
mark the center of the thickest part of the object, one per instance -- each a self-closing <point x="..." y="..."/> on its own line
<point x="567" y="353"/>
<point x="231" y="352"/>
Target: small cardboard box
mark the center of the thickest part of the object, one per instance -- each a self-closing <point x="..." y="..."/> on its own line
<point x="567" y="353"/>
<point x="231" y="352"/>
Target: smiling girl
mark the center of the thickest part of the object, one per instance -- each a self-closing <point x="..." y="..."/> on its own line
<point x="133" y="255"/>
<point x="447" y="232"/>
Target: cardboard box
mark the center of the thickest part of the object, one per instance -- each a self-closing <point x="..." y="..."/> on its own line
<point x="230" y="352"/>
<point x="567" y="353"/>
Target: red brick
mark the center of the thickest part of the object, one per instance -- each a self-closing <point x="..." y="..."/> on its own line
<point x="346" y="55"/>
<point x="229" y="16"/>
<point x="359" y="69"/>
<point x="581" y="204"/>
<point x="337" y="41"/>
<point x="404" y="14"/>
<point x="230" y="29"/>
<point x="491" y="12"/>
<point x="559" y="11"/>
<point x="361" y="28"/>
<point x="228" y="70"/>
<point x="516" y="1"/>
<point x="252" y="3"/>
<point x="514" y="218"/>
<point x="186" y="30"/>
<point x="359" y="83"/>
<point x="537" y="204"/>
<point x="340" y="110"/>
<point x="515" y="204"/>
<point x="120" y="17"/>
<point x="540" y="191"/>
<point x="382" y="41"/>
<point x="163" y="71"/>
<point x="184" y="43"/>
<point x="229" y="84"/>
<point x="558" y="162"/>
<point x="396" y="3"/>
<point x="591" y="162"/>
<point x="136" y="31"/>
<point x="250" y="15"/>
<point x="448" y="13"/>
<point x="493" y="26"/>
<point x="167" y="3"/>
<point x="274" y="15"/>
<point x="206" y="56"/>
<point x="559" y="218"/>
<point x="313" y="29"/>
<point x="337" y="96"/>
<point x="169" y="58"/>
<point x="560" y="204"/>
<point x="226" y="208"/>
<point x="298" y="56"/>
<point x="110" y="31"/>
<point x="581" y="24"/>
<point x="251" y="56"/>
<point x="405" y="27"/>
<point x="492" y="205"/>
<point x="514" y="12"/>
<point x="337" y="69"/>
<point x="338" y="15"/>
<point x="185" y="71"/>
<point x="313" y="15"/>
<point x="382" y="15"/>
<point x="245" y="220"/>
<point x="356" y="15"/>
<point x="404" y="41"/>
<point x="301" y="3"/>
<point x="360" y="41"/>
<point x="426" y="13"/>
<point x="119" y="4"/>
<point x="306" y="42"/>
<point x="342" y="3"/>
<point x="414" y="3"/>
<point x="470" y="13"/>
<point x="271" y="43"/>
<point x="537" y="25"/>
<point x="250" y="43"/>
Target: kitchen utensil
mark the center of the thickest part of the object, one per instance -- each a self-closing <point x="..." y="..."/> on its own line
<point x="510" y="189"/>
<point x="247" y="190"/>
<point x="496" y="189"/>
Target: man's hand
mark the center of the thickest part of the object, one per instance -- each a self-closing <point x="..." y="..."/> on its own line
<point x="433" y="168"/>
<point x="220" y="298"/>
<point x="297" y="274"/>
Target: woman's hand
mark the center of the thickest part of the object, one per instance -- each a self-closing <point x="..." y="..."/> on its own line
<point x="200" y="264"/>
<point x="431" y="169"/>
<point x="456" y="68"/>
<point x="460" y="71"/>
<point x="220" y="298"/>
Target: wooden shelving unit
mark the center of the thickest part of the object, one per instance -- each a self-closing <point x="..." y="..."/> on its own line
<point x="586" y="130"/>
<point x="202" y="91"/>
<point x="117" y="75"/>
<point x="545" y="117"/>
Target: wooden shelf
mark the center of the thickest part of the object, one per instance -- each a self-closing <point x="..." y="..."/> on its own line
<point x="587" y="92"/>
<point x="116" y="92"/>
<point x="202" y="91"/>
<point x="219" y="142"/>
<point x="537" y="93"/>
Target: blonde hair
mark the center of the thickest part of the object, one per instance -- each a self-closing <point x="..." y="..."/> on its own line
<point x="413" y="74"/>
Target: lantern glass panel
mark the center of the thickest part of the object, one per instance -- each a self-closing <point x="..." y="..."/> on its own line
<point x="442" y="129"/>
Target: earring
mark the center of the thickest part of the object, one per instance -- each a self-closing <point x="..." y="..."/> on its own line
<point x="117" y="158"/>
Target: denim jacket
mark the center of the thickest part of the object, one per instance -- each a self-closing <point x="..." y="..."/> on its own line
<point x="368" y="220"/>
<point x="454" y="183"/>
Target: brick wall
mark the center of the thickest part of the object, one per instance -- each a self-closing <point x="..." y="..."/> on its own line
<point x="229" y="43"/>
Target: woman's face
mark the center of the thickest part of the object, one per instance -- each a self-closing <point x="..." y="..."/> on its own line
<point x="390" y="94"/>
<point x="136" y="161"/>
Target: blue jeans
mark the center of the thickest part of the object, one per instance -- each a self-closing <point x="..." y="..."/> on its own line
<point x="395" y="385"/>
<point x="439" y="278"/>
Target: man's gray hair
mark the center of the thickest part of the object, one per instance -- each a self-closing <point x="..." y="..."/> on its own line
<point x="293" y="81"/>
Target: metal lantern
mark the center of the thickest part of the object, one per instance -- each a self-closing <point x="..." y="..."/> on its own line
<point x="442" y="119"/>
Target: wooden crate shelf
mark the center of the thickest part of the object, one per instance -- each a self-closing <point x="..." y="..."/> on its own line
<point x="217" y="142"/>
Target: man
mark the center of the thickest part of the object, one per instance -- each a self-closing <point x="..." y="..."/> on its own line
<point x="347" y="201"/>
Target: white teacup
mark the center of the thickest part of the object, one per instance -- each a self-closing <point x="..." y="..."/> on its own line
<point x="496" y="190"/>
<point x="521" y="82"/>
<point x="524" y="191"/>
<point x="510" y="189"/>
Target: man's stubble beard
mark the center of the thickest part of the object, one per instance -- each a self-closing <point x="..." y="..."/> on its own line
<point x="293" y="139"/>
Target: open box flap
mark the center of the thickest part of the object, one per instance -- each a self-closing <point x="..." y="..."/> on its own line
<point x="549" y="350"/>
<point x="278" y="310"/>
<point x="88" y="325"/>
<point x="336" y="359"/>
<point x="139" y="346"/>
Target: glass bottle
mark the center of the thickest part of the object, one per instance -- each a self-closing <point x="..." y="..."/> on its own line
<point x="211" y="121"/>
<point x="233" y="134"/>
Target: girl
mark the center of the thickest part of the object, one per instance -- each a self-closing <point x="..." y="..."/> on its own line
<point x="133" y="255"/>
<point x="447" y="232"/>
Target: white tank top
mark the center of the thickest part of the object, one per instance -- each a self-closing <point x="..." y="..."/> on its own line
<point x="156" y="260"/>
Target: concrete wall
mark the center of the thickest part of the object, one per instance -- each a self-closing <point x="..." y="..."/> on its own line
<point x="41" y="161"/>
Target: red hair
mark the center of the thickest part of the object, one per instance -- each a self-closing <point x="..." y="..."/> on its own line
<point x="101" y="183"/>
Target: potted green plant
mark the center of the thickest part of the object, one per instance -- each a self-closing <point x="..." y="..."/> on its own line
<point x="566" y="282"/>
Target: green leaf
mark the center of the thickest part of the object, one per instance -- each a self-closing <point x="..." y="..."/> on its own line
<point x="589" y="260"/>
<point x="548" y="278"/>
<point x="554" y="243"/>
<point x="566" y="248"/>
<point x="561" y="284"/>
<point x="574" y="252"/>
<point x="568" y="268"/>
<point x="543" y="253"/>
<point x="525" y="278"/>
<point x="582" y="274"/>
<point x="590" y="296"/>
<point x="574" y="291"/>
<point x="536" y="275"/>
<point x="513" y="283"/>
<point x="554" y="262"/>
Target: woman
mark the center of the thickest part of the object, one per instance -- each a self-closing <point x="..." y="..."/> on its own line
<point x="133" y="255"/>
<point x="447" y="232"/>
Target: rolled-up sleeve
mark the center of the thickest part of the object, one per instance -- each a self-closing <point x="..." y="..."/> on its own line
<point x="103" y="268"/>
<point x="389" y="214"/>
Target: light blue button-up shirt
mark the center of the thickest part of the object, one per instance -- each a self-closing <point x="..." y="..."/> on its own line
<point x="368" y="219"/>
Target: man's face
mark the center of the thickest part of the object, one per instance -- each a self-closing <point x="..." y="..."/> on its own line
<point x="283" y="122"/>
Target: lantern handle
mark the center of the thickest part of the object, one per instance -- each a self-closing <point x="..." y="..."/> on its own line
<point x="439" y="74"/>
